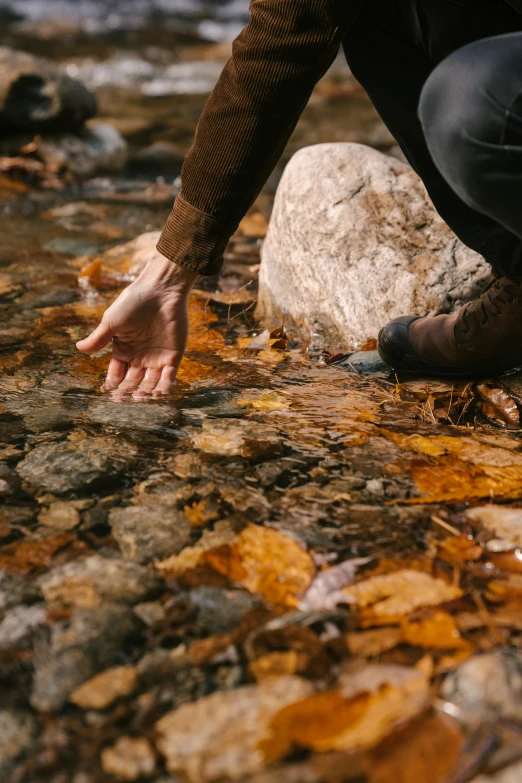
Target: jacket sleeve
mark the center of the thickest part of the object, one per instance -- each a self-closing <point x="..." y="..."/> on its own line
<point x="276" y="62"/>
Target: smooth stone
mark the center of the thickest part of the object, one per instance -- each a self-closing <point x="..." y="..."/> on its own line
<point x="90" y="582"/>
<point x="364" y="362"/>
<point x="147" y="533"/>
<point x="19" y="623"/>
<point x="35" y="95"/>
<point x="487" y="686"/>
<point x="68" y="466"/>
<point x="93" y="149"/>
<point x="353" y="242"/>
<point x="144" y="416"/>
<point x="77" y="649"/>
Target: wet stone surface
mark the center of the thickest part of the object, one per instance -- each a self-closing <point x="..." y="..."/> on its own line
<point x="296" y="568"/>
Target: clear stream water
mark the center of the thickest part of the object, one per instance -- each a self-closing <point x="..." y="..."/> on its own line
<point x="267" y="437"/>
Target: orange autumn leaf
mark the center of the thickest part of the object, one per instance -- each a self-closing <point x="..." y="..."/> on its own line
<point x="267" y="562"/>
<point x="348" y="721"/>
<point x="459" y="549"/>
<point x="438" y="632"/>
<point x="263" y="560"/>
<point x="92" y="270"/>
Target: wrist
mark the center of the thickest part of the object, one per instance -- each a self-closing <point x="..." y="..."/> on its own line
<point x="160" y="271"/>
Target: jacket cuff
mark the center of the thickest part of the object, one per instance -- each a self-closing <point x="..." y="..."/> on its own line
<point x="194" y="240"/>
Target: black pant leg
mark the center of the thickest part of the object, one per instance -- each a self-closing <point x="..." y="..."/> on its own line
<point x="390" y="53"/>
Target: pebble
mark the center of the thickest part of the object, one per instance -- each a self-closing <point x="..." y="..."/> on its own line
<point x="101" y="691"/>
<point x="18" y="624"/>
<point x="62" y="515"/>
<point x="364" y="362"/>
<point x="129" y="759"/>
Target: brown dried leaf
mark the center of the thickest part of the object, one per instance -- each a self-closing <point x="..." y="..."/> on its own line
<point x="373" y="643"/>
<point x="29" y="555"/>
<point x="386" y="599"/>
<point x="499" y="403"/>
<point x="426" y="752"/>
<point x="459" y="549"/>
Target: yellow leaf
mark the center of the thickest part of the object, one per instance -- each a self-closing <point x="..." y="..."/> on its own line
<point x="385" y="599"/>
<point x="438" y="632"/>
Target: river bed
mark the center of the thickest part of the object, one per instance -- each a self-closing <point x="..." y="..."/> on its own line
<point x="277" y="573"/>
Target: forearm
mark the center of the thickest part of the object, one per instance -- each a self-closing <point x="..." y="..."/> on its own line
<point x="276" y="62"/>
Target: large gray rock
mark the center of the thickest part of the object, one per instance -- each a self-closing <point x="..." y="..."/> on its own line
<point x="36" y="96"/>
<point x="72" y="466"/>
<point x="355" y="241"/>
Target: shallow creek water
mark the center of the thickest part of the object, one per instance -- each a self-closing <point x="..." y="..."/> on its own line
<point x="277" y="573"/>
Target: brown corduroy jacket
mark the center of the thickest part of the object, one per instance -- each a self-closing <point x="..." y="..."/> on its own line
<point x="276" y="62"/>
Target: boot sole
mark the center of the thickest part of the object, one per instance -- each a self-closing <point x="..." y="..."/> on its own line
<point x="407" y="361"/>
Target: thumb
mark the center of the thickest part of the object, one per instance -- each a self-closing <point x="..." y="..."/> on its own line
<point x="97" y="340"/>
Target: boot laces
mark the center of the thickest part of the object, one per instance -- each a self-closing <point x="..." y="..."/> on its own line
<point x="488" y="303"/>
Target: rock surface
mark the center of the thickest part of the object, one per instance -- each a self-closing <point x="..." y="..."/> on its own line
<point x="97" y="148"/>
<point x="129" y="759"/>
<point x="512" y="774"/>
<point x="36" y="96"/>
<point x="88" y="583"/>
<point x="16" y="734"/>
<point x="353" y="242"/>
<point x="146" y="533"/>
<point x="72" y="466"/>
<point x="487" y="686"/>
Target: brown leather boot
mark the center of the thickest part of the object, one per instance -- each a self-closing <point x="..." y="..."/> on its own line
<point x="482" y="339"/>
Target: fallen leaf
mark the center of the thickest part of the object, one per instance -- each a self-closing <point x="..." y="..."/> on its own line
<point x="29" y="555"/>
<point x="459" y="549"/>
<point x="426" y="752"/>
<point x="198" y="514"/>
<point x="267" y="562"/>
<point x="373" y="643"/>
<point x="324" y="592"/>
<point x="101" y="691"/>
<point x="364" y="710"/>
<point x="386" y="599"/>
<point x="500" y="405"/>
<point x="262" y="559"/>
<point x="438" y="632"/>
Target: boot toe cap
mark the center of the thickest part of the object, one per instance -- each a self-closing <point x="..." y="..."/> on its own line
<point x="394" y="343"/>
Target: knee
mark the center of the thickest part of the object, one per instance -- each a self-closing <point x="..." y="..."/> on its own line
<point x="462" y="115"/>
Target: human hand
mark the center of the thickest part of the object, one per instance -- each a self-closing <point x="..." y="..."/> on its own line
<point x="148" y="325"/>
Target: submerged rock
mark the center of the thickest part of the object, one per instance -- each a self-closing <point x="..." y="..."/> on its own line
<point x="77" y="649"/>
<point x="36" y="96"/>
<point x="146" y="533"/>
<point x="353" y="242"/>
<point x="487" y="686"/>
<point x="17" y="730"/>
<point x="93" y="149"/>
<point x="129" y="759"/>
<point x="88" y="583"/>
<point x="72" y="466"/>
<point x="144" y="416"/>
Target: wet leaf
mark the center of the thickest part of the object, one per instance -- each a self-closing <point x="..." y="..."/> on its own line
<point x="30" y="555"/>
<point x="277" y="664"/>
<point x="426" y="752"/>
<point x="373" y="643"/>
<point x="262" y="559"/>
<point x="459" y="549"/>
<point x="386" y="599"/>
<point x="366" y="708"/>
<point x="438" y="632"/>
<point x="325" y="590"/>
<point x="500" y="405"/>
